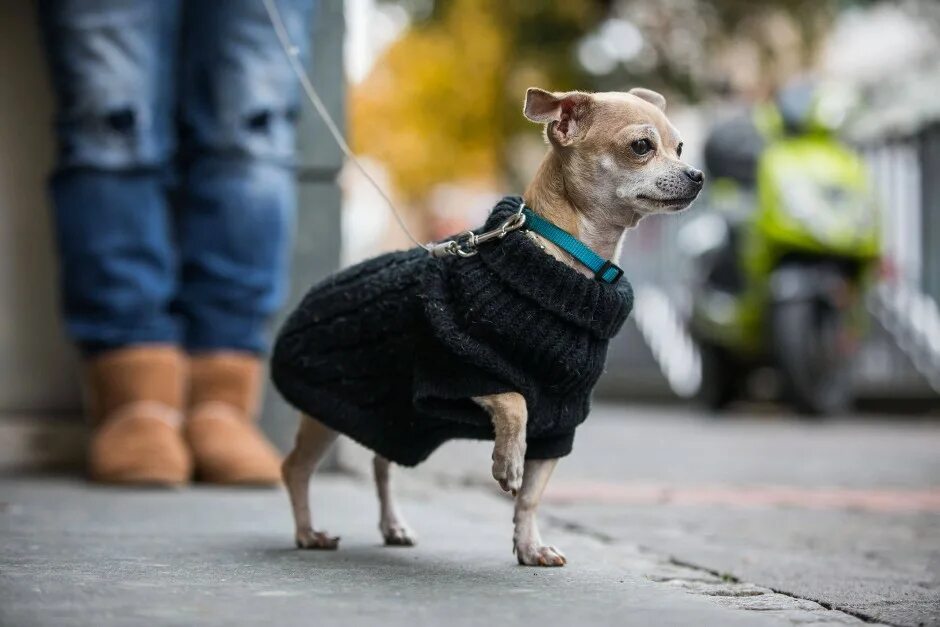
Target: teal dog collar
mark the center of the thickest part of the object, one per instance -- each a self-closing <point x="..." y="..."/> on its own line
<point x="604" y="270"/>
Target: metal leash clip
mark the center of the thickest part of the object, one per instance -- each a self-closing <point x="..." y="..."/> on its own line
<point x="466" y="244"/>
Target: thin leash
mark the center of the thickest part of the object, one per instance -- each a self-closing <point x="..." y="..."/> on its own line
<point x="463" y="246"/>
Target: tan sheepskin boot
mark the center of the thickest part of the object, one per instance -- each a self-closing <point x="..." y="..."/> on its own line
<point x="227" y="446"/>
<point x="134" y="397"/>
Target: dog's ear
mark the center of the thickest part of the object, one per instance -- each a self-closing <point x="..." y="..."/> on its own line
<point x="565" y="113"/>
<point x="654" y="98"/>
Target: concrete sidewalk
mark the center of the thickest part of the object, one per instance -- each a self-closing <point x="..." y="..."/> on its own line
<point x="74" y="554"/>
<point x="844" y="512"/>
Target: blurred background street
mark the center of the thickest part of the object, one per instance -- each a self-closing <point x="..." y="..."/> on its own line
<point x="765" y="446"/>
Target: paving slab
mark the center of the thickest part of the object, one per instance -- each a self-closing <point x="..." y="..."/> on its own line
<point x="75" y="554"/>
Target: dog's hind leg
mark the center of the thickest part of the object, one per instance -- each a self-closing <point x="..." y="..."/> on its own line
<point x="313" y="441"/>
<point x="526" y="540"/>
<point x="391" y="523"/>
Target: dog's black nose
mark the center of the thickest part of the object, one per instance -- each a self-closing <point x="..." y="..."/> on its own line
<point x="695" y="176"/>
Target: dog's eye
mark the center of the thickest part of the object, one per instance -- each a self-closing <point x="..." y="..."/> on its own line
<point x="679" y="150"/>
<point x="641" y="146"/>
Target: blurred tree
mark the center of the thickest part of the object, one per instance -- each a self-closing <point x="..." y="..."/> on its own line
<point x="443" y="101"/>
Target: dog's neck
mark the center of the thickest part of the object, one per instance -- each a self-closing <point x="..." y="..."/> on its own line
<point x="548" y="196"/>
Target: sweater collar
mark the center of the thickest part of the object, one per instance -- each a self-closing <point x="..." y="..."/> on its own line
<point x="519" y="263"/>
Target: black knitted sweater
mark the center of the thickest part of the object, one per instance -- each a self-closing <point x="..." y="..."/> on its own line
<point x="390" y="351"/>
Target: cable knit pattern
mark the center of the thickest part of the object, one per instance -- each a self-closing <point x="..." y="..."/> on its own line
<point x="390" y="351"/>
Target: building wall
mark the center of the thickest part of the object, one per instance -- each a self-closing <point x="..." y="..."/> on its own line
<point x="37" y="367"/>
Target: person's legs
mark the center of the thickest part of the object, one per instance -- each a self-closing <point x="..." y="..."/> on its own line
<point x="239" y="103"/>
<point x="111" y="63"/>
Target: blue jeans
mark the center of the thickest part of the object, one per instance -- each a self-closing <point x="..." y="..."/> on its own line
<point x="173" y="193"/>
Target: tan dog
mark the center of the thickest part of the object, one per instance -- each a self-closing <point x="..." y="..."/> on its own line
<point x="613" y="158"/>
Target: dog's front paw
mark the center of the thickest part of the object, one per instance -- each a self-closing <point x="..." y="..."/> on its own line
<point x="397" y="534"/>
<point x="508" y="465"/>
<point x="310" y="539"/>
<point x="536" y="555"/>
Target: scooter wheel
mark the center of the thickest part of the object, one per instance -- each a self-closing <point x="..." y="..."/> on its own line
<point x="719" y="378"/>
<point x="816" y="380"/>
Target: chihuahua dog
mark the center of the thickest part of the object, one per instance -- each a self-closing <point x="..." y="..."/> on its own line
<point x="613" y="158"/>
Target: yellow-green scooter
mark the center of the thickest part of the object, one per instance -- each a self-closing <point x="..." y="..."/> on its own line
<point x="781" y="257"/>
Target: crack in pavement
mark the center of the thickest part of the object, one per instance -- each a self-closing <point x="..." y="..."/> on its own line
<point x="726" y="588"/>
<point x="829" y="606"/>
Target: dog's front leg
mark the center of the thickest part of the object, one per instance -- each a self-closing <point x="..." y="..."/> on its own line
<point x="509" y="415"/>
<point x="526" y="540"/>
